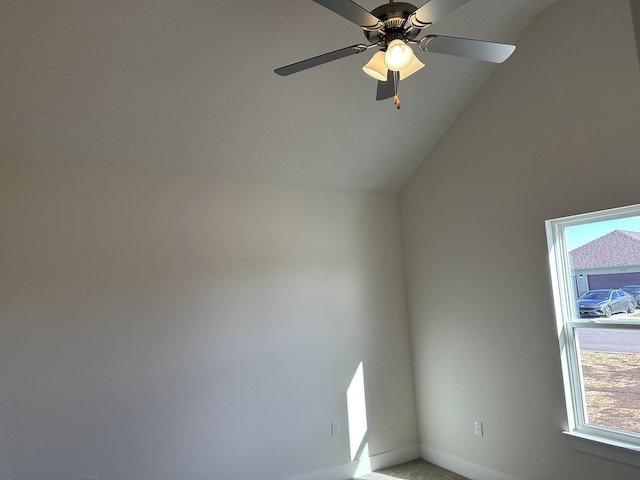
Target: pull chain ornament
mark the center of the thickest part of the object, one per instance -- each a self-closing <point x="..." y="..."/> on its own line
<point x="396" y="80"/>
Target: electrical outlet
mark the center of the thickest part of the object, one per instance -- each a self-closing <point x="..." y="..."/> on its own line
<point x="479" y="429"/>
<point x="335" y="429"/>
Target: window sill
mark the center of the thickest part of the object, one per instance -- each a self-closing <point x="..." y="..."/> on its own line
<point x="607" y="448"/>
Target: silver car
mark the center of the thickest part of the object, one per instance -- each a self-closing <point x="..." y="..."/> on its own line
<point x="604" y="303"/>
<point x="633" y="290"/>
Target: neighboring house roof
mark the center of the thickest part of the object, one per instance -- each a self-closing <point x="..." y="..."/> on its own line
<point x="619" y="248"/>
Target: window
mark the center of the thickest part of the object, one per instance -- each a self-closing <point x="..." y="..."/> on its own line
<point x="592" y="256"/>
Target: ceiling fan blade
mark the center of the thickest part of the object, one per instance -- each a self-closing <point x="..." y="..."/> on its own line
<point x="467" y="47"/>
<point x="385" y="89"/>
<point x="434" y="10"/>
<point x="352" y="12"/>
<point x="320" y="59"/>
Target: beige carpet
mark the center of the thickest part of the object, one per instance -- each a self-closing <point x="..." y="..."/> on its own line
<point x="414" y="470"/>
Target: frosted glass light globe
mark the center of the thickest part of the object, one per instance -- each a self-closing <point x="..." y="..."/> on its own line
<point x="398" y="56"/>
<point x="413" y="67"/>
<point x="376" y="67"/>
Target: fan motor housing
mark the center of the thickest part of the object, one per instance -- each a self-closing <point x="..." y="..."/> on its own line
<point x="394" y="16"/>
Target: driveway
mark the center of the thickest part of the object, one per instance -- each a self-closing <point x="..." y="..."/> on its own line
<point x="609" y="340"/>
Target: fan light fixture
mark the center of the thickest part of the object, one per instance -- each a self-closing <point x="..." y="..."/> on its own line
<point x="398" y="56"/>
<point x="376" y="67"/>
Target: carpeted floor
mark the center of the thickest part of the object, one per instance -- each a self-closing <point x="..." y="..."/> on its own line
<point x="414" y="470"/>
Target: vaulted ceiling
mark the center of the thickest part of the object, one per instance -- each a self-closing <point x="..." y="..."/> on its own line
<point x="188" y="86"/>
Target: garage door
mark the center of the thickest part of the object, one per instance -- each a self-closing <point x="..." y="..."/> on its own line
<point x="613" y="280"/>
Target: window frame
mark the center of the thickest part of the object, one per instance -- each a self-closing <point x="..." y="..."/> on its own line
<point x="592" y="439"/>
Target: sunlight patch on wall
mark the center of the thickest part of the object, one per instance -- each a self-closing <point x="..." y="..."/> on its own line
<point x="357" y="417"/>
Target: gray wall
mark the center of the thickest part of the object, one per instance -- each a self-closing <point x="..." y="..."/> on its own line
<point x="161" y="327"/>
<point x="554" y="132"/>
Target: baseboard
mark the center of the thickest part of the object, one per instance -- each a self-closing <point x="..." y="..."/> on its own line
<point x="364" y="465"/>
<point x="461" y="466"/>
<point x="395" y="457"/>
<point x="341" y="472"/>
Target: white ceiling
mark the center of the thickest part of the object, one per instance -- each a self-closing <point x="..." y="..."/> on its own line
<point x="188" y="86"/>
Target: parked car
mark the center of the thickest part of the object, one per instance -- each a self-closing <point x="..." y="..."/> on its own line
<point x="604" y="303"/>
<point x="633" y="290"/>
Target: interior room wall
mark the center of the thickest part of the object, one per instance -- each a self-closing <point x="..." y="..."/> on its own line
<point x="157" y="326"/>
<point x="554" y="132"/>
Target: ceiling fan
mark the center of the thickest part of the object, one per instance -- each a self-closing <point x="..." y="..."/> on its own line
<point x="392" y="28"/>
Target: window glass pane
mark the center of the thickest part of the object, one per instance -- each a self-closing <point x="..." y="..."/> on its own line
<point x="610" y="365"/>
<point x="604" y="255"/>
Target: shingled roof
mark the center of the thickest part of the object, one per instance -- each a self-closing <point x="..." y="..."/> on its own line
<point x="619" y="248"/>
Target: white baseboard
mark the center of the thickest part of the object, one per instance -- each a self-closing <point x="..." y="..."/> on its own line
<point x="395" y="457"/>
<point x="341" y="472"/>
<point x="364" y="465"/>
<point x="461" y="466"/>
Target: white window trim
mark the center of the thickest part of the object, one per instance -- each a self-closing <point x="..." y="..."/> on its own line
<point x="589" y="439"/>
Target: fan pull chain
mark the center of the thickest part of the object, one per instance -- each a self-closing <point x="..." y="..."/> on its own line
<point x="396" y="80"/>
